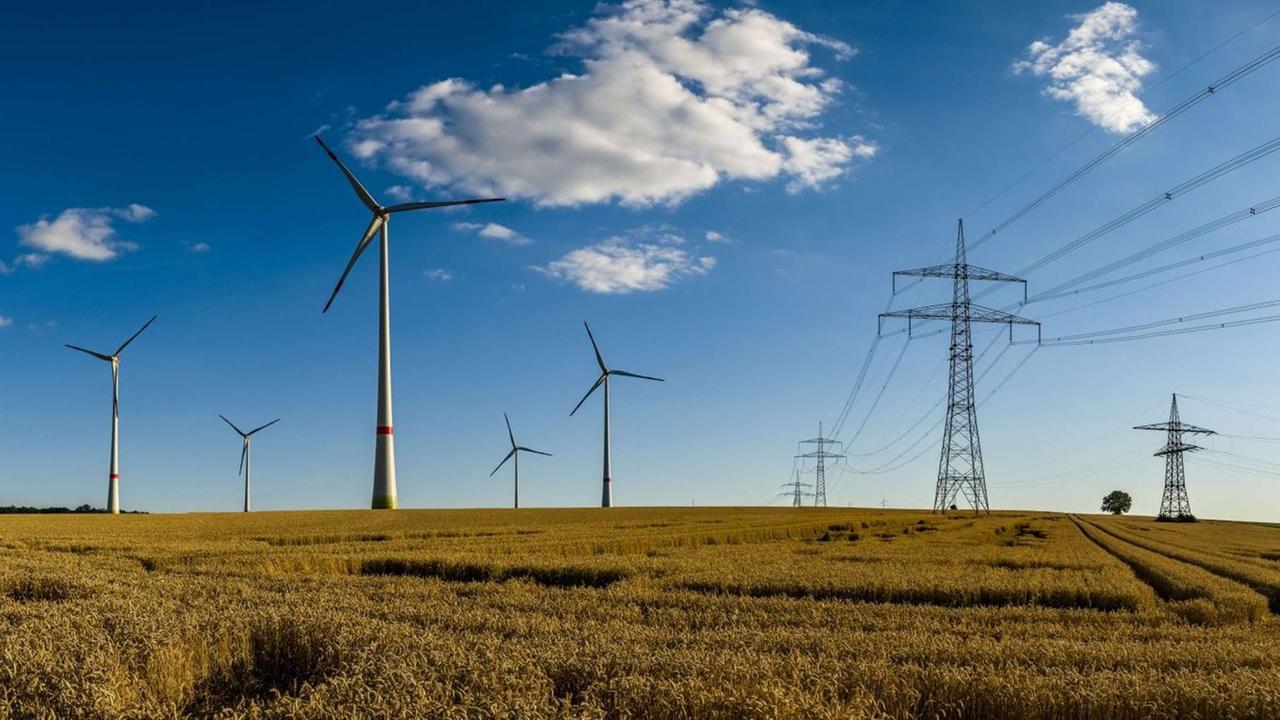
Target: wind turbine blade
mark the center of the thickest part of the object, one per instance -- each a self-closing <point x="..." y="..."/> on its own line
<point x="98" y="355"/>
<point x="509" y="433"/>
<point x="402" y="207"/>
<point x="365" y="197"/>
<point x="135" y="335"/>
<point x="369" y="232"/>
<point x="504" y="462"/>
<point x="244" y="452"/>
<point x="624" y="373"/>
<point x="584" y="397"/>
<point x="233" y="425"/>
<point x="595" y="347"/>
<point x="264" y="427"/>
<point x="535" y="452"/>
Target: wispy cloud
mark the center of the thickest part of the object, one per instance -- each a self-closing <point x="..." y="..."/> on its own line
<point x="438" y="275"/>
<point x="493" y="231"/>
<point x="5" y="321"/>
<point x="672" y="98"/>
<point x="1098" y="67"/>
<point x="199" y="247"/>
<point x="623" y="264"/>
<point x="80" y="233"/>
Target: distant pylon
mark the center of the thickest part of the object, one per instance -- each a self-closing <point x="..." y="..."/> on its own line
<point x="1175" y="505"/>
<point x="820" y="472"/>
<point x="796" y="490"/>
<point x="960" y="467"/>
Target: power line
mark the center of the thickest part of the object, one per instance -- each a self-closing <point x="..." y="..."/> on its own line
<point x="1186" y="104"/>
<point x="1270" y="239"/>
<point x="890" y="466"/>
<point x="1204" y="178"/>
<point x="1172" y="321"/>
<point x="938" y="404"/>
<point x="1161" y="333"/>
<point x="1230" y="219"/>
<point x="1092" y="128"/>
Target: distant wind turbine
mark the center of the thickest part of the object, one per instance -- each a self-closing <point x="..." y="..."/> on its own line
<point x="384" y="461"/>
<point x="515" y="453"/>
<point x="113" y="482"/>
<point x="246" y="453"/>
<point x="607" y="496"/>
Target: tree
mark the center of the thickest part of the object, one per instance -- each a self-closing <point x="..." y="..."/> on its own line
<point x="1117" y="502"/>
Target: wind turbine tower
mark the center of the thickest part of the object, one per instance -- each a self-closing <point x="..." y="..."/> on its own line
<point x="384" y="460"/>
<point x="246" y="453"/>
<point x="514" y="455"/>
<point x="113" y="473"/>
<point x="606" y="499"/>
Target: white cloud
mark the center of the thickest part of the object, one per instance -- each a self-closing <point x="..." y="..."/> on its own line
<point x="135" y="212"/>
<point x="1097" y="67"/>
<point x="199" y="247"/>
<point x="400" y="192"/>
<point x="621" y="265"/>
<point x="80" y="233"/>
<point x="31" y="260"/>
<point x="713" y="236"/>
<point x="493" y="231"/>
<point x="438" y="275"/>
<point x="5" y="321"/>
<point x="672" y="98"/>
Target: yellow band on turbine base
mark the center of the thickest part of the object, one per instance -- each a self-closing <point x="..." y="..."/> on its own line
<point x="384" y="502"/>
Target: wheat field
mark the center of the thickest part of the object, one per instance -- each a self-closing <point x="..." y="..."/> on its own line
<point x="637" y="613"/>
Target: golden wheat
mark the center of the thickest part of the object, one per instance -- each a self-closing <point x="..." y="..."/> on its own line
<point x="633" y="613"/>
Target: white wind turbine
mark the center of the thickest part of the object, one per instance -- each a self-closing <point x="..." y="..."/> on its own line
<point x="515" y="453"/>
<point x="607" y="496"/>
<point x="246" y="453"/>
<point x="384" y="460"/>
<point x="113" y="481"/>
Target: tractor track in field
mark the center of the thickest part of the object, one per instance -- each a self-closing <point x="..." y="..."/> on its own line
<point x="1269" y="591"/>
<point x="1140" y="572"/>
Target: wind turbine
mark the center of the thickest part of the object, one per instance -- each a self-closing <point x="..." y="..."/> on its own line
<point x="113" y="482"/>
<point x="607" y="496"/>
<point x="384" y="459"/>
<point x="246" y="453"/>
<point x="515" y="453"/>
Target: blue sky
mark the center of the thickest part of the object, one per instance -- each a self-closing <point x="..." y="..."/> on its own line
<point x="721" y="190"/>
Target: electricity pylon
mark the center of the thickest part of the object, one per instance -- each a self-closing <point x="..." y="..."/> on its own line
<point x="960" y="467"/>
<point x="1175" y="505"/>
<point x="821" y="455"/>
<point x="796" y="490"/>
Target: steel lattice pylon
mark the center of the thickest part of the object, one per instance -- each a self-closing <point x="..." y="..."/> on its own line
<point x="960" y="469"/>
<point x="1174" y="504"/>
<point x="820" y="471"/>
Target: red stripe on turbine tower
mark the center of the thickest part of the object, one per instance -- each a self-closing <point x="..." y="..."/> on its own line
<point x="115" y="476"/>
<point x="385" y="430"/>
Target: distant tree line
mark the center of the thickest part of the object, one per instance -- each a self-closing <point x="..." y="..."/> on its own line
<point x="85" y="509"/>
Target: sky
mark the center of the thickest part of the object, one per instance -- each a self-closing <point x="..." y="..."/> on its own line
<point x="722" y="190"/>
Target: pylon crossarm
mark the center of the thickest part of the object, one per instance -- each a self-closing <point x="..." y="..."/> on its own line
<point x="952" y="270"/>
<point x="1176" y="448"/>
<point x="1177" y="427"/>
<point x="949" y="311"/>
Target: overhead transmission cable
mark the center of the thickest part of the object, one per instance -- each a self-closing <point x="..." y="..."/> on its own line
<point x="1053" y="342"/>
<point x="927" y="413"/>
<point x="890" y="466"/>
<point x="1093" y="128"/>
<point x="1243" y="159"/>
<point x="1226" y="220"/>
<point x="1186" y="104"/>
